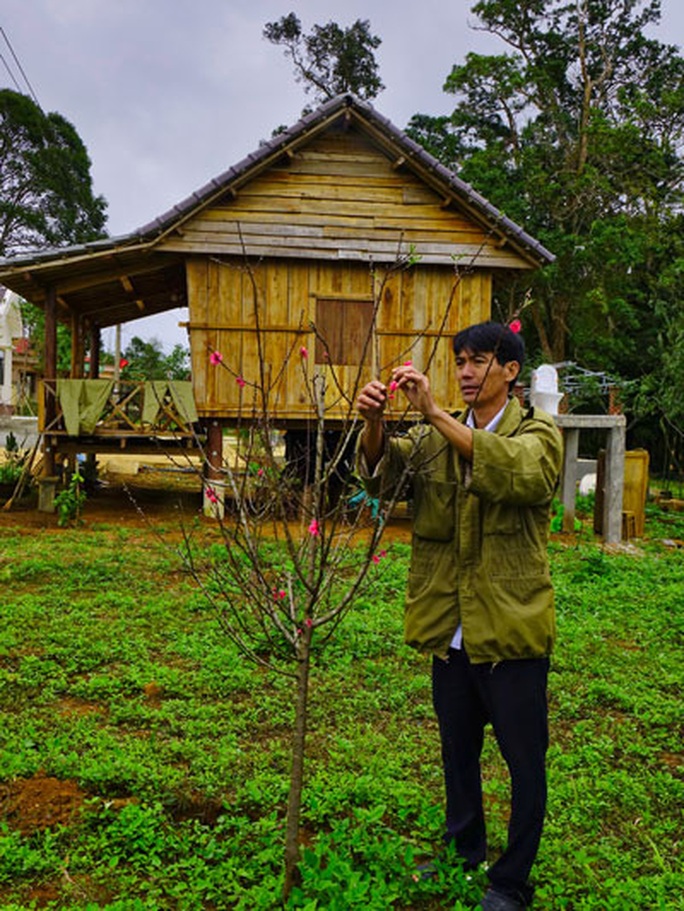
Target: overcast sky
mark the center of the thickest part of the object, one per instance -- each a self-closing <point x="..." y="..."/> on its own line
<point x="167" y="94"/>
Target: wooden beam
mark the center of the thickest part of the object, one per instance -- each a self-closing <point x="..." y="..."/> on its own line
<point x="51" y="334"/>
<point x="77" y="348"/>
<point x="51" y="373"/>
<point x="95" y="349"/>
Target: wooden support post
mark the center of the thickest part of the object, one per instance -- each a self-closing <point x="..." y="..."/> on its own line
<point x="50" y="374"/>
<point x="77" y="349"/>
<point x="47" y="487"/>
<point x="95" y="348"/>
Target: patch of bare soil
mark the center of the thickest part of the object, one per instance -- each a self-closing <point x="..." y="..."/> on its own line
<point x="121" y="500"/>
<point x="151" y="496"/>
<point x="42" y="802"/>
<point x="34" y="804"/>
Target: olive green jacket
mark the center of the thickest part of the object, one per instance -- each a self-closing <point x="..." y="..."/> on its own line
<point x="480" y="531"/>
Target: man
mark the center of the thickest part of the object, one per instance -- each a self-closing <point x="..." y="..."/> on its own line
<point x="479" y="595"/>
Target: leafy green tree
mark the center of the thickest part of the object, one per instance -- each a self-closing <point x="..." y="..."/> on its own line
<point x="576" y="132"/>
<point x="33" y="319"/>
<point x="146" y="361"/>
<point x="653" y="394"/>
<point x="330" y="60"/>
<point x="178" y="363"/>
<point x="46" y="194"/>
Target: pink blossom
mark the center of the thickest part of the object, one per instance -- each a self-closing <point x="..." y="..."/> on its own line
<point x="393" y="385"/>
<point x="303" y="352"/>
<point x="515" y="326"/>
<point x="279" y="594"/>
<point x="308" y="622"/>
<point x="260" y="473"/>
<point x="211" y="495"/>
<point x="379" y="556"/>
<point x="376" y="558"/>
<point x="408" y="363"/>
<point x="314" y="528"/>
<point x="215" y="358"/>
<point x="240" y="381"/>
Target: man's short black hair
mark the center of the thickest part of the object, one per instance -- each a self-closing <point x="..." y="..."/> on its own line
<point x="492" y="338"/>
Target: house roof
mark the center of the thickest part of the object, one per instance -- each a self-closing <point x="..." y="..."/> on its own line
<point x="122" y="278"/>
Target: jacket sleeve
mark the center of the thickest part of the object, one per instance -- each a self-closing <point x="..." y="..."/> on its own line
<point x="522" y="469"/>
<point x="395" y="466"/>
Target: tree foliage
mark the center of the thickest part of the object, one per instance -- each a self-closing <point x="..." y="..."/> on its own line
<point x="33" y="318"/>
<point x="46" y="194"/>
<point x="147" y="361"/>
<point x="330" y="60"/>
<point x="576" y="132"/>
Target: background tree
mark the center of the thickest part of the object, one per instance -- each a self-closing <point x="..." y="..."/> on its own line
<point x="576" y="133"/>
<point x="46" y="194"/>
<point x="147" y="361"/>
<point x="330" y="60"/>
<point x="33" y="319"/>
<point x="654" y="393"/>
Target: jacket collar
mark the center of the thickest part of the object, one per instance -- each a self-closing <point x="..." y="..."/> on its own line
<point x="510" y="419"/>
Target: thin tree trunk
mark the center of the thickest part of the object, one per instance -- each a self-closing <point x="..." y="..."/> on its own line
<point x="294" y="803"/>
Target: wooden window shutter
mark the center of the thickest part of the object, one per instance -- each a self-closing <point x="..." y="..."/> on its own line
<point x="343" y="327"/>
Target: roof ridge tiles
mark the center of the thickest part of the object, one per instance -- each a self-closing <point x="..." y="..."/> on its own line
<point x="185" y="208"/>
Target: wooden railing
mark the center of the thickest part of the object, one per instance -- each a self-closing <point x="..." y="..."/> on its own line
<point x="108" y="408"/>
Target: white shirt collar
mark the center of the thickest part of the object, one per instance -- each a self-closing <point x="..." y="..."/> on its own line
<point x="492" y="425"/>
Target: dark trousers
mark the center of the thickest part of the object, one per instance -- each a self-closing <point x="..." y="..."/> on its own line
<point x="511" y="695"/>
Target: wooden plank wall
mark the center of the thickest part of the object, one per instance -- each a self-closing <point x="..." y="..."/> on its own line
<point x="340" y="196"/>
<point x="260" y="317"/>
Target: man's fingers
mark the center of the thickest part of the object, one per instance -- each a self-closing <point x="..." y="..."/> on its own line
<point x="372" y="397"/>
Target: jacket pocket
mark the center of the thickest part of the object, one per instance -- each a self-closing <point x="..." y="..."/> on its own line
<point x="434" y="510"/>
<point x="500" y="519"/>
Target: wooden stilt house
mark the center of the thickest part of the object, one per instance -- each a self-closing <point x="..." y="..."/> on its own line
<point x="338" y="225"/>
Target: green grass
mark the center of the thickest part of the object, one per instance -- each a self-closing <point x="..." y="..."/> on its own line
<point x="116" y="678"/>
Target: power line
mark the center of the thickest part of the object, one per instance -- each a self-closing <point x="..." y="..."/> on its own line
<point x="21" y="68"/>
<point x="11" y="74"/>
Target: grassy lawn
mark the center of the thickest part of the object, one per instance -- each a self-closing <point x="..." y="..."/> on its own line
<point x="144" y="763"/>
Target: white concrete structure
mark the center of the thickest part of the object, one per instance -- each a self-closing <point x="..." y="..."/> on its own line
<point x="613" y="482"/>
<point x="11" y="327"/>
<point x="544" y="392"/>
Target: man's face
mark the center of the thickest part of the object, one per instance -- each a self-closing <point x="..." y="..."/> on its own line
<point x="482" y="379"/>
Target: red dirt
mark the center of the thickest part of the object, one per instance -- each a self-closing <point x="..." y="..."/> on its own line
<point x="125" y="500"/>
<point x="34" y="804"/>
<point x="138" y="501"/>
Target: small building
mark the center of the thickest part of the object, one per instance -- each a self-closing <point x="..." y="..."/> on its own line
<point x="17" y="363"/>
<point x="339" y="248"/>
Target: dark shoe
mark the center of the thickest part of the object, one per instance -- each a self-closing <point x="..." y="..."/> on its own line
<point x="498" y="901"/>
